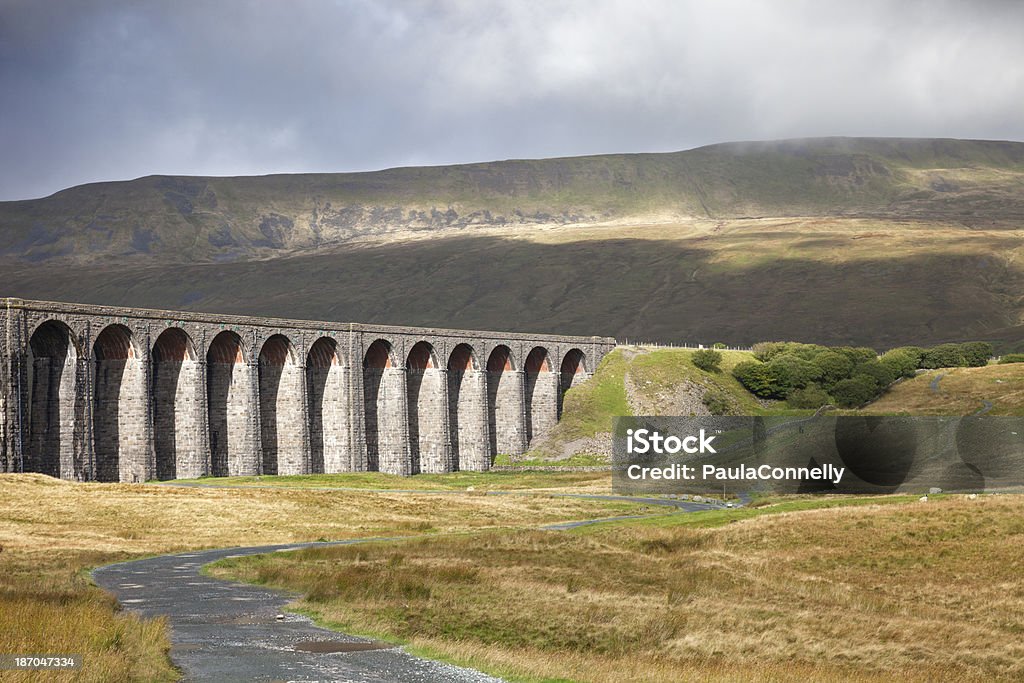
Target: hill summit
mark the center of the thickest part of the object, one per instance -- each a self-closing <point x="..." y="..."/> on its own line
<point x="197" y="219"/>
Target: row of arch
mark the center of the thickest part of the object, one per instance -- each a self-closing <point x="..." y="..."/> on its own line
<point x="179" y="418"/>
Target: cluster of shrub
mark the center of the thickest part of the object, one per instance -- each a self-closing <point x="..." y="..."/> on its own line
<point x="810" y="375"/>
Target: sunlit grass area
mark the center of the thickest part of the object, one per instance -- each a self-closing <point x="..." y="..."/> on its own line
<point x="808" y="589"/>
<point x="959" y="391"/>
<point x="51" y="532"/>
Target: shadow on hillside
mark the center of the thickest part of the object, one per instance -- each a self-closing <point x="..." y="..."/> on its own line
<point x="657" y="290"/>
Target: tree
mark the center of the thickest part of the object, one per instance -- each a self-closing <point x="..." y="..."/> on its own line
<point x="1012" y="358"/>
<point x="833" y="366"/>
<point x="757" y="379"/>
<point x="881" y="373"/>
<point x="858" y="390"/>
<point x="857" y="354"/>
<point x="916" y="352"/>
<point x="976" y="354"/>
<point x="765" y="351"/>
<point x="901" y="362"/>
<point x="805" y="351"/>
<point x="792" y="372"/>
<point x="943" y="356"/>
<point x="707" y="359"/>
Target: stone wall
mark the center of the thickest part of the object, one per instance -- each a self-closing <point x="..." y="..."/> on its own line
<point x="99" y="399"/>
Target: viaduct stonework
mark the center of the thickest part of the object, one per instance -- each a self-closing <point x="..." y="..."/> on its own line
<point x="125" y="394"/>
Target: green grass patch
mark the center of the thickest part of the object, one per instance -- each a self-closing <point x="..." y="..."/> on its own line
<point x="720" y="517"/>
<point x="453" y="481"/>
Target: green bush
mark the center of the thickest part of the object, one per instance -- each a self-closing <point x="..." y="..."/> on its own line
<point x="1012" y="358"/>
<point x="877" y="370"/>
<point x="833" y="367"/>
<point x="719" y="345"/>
<point x="976" y="354"/>
<point x="716" y="401"/>
<point x="856" y="391"/>
<point x="811" y="396"/>
<point x="757" y="378"/>
<point x="805" y="351"/>
<point x="857" y="354"/>
<point x="901" y="362"/>
<point x="792" y="372"/>
<point x="765" y="351"/>
<point x="943" y="356"/>
<point x="707" y="359"/>
<point x="915" y="352"/>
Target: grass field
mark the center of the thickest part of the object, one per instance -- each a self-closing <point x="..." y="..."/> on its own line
<point x="872" y="590"/>
<point x="478" y="482"/>
<point x="959" y="391"/>
<point x="52" y="531"/>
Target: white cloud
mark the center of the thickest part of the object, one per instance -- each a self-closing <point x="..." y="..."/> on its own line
<point x="108" y="90"/>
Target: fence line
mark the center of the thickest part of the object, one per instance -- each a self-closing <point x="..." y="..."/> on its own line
<point x="683" y="345"/>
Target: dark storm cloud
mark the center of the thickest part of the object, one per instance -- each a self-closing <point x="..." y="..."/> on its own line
<point x="110" y="90"/>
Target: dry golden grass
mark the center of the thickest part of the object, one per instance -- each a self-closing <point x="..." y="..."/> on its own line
<point x="903" y="591"/>
<point x="51" y="531"/>
<point x="961" y="391"/>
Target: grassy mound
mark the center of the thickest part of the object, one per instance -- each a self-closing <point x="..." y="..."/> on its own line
<point x="637" y="380"/>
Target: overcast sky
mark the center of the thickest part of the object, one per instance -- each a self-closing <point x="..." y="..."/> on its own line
<point x="115" y="90"/>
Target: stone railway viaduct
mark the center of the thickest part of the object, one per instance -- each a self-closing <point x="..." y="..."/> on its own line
<point x="126" y="394"/>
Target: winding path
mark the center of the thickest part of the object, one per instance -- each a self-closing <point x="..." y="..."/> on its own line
<point x="228" y="631"/>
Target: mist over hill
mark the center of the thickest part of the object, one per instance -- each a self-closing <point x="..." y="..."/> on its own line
<point x="836" y="240"/>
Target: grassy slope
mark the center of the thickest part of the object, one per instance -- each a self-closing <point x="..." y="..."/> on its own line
<point x="903" y="591"/>
<point x="657" y="375"/>
<point x="52" y="531"/>
<point x="960" y="391"/>
<point x="840" y="281"/>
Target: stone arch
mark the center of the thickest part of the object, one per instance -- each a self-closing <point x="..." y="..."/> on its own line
<point x="230" y="406"/>
<point x="326" y="381"/>
<point x="540" y="393"/>
<point x="426" y="405"/>
<point x="467" y="410"/>
<point x="281" y="392"/>
<point x="120" y="405"/>
<point x="504" y="403"/>
<point x="55" y="421"/>
<point x="384" y="397"/>
<point x="177" y="407"/>
<point x="573" y="371"/>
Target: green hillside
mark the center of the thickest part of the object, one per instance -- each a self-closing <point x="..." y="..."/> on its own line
<point x="636" y="380"/>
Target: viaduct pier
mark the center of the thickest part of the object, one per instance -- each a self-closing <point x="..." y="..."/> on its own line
<point x="100" y="393"/>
